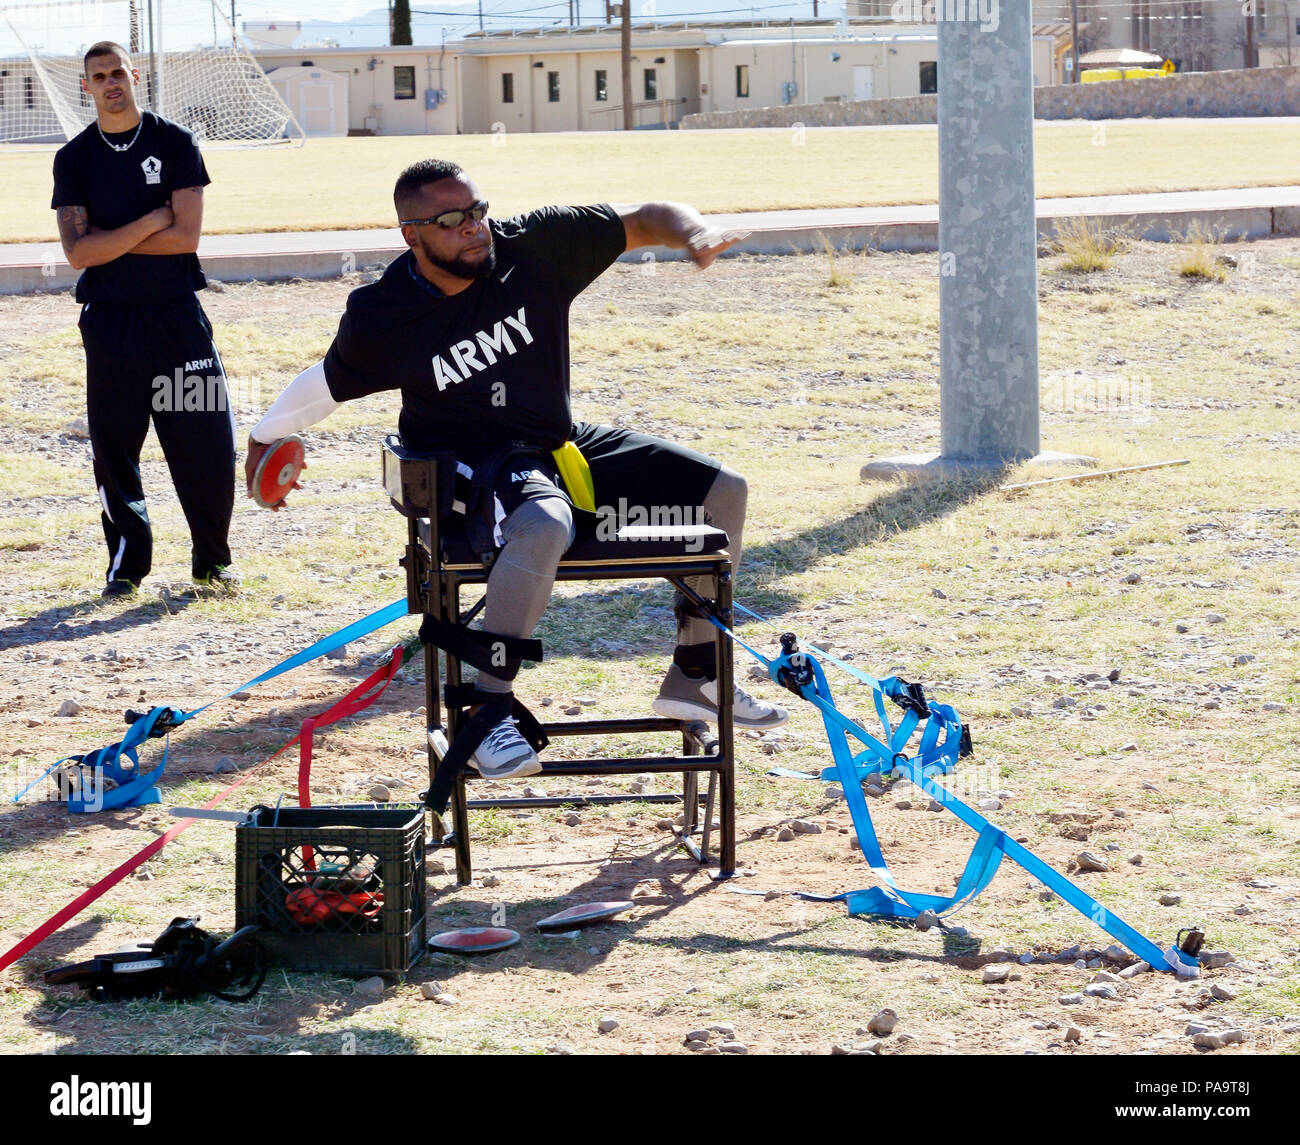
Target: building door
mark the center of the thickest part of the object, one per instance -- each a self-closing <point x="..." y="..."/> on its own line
<point x="317" y="109"/>
<point x="863" y="81"/>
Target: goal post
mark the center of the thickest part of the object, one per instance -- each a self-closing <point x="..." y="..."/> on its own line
<point x="197" y="73"/>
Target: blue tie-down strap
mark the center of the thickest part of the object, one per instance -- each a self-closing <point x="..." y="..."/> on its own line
<point x="134" y="789"/>
<point x="354" y="631"/>
<point x="106" y="763"/>
<point x="943" y="737"/>
<point x="890" y="901"/>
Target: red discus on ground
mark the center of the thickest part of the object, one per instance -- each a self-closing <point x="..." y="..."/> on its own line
<point x="473" y="940"/>
<point x="277" y="471"/>
<point x="584" y="914"/>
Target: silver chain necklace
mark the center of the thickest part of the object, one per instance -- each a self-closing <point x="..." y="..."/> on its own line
<point x="121" y="146"/>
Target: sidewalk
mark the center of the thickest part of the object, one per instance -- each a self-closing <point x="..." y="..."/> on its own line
<point x="1239" y="213"/>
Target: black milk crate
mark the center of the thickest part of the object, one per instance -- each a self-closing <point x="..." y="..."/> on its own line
<point x="333" y="888"/>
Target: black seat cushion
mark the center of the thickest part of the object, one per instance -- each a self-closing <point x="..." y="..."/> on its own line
<point x="633" y="542"/>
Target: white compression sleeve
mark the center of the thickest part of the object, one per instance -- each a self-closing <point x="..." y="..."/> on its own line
<point x="305" y="401"/>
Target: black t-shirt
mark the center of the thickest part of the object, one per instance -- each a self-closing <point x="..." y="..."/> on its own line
<point x="490" y="364"/>
<point x="118" y="187"/>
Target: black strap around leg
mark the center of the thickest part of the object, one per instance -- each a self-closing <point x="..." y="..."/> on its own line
<point x="486" y="651"/>
<point x="497" y="706"/>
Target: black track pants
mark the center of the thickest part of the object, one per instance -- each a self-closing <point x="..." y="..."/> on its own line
<point x="157" y="360"/>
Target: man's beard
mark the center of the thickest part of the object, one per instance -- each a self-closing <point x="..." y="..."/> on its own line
<point x="460" y="267"/>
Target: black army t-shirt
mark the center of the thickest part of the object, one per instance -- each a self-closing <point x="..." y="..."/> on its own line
<point x="118" y="187"/>
<point x="488" y="365"/>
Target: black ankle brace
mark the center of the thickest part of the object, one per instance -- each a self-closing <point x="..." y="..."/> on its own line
<point x="697" y="660"/>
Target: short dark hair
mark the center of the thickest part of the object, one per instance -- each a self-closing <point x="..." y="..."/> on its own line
<point x="104" y="48"/>
<point x="418" y="176"/>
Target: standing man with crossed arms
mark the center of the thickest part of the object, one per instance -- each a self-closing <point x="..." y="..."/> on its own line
<point x="129" y="195"/>
<point x="472" y="325"/>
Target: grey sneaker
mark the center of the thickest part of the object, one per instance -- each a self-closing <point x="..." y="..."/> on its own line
<point x="505" y="754"/>
<point x="681" y="698"/>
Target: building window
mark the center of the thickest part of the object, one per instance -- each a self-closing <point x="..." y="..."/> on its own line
<point x="404" y="82"/>
<point x="29" y="91"/>
<point x="602" y="86"/>
<point x="507" y="87"/>
<point x="929" y="77"/>
<point x="651" y="84"/>
<point x="553" y="87"/>
<point x="742" y="81"/>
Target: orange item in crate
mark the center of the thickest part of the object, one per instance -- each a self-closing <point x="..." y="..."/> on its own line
<point x="310" y="907"/>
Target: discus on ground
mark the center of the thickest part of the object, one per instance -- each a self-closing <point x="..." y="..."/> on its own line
<point x="276" y="473"/>
<point x="584" y="914"/>
<point x="473" y="940"/>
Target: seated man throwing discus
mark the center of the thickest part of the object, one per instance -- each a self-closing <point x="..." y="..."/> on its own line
<point x="472" y="325"/>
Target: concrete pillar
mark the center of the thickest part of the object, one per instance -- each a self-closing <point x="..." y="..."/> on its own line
<point x="988" y="264"/>
<point x="988" y="267"/>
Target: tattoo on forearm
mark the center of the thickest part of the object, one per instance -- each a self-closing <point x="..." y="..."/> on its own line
<point x="73" y="223"/>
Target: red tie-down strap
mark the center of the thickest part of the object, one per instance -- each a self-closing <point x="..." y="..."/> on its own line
<point x="355" y="701"/>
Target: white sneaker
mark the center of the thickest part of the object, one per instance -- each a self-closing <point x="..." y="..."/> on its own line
<point x="681" y="698"/>
<point x="505" y="754"/>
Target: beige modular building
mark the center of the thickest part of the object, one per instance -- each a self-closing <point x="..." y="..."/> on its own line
<point x="389" y="91"/>
<point x="570" y="79"/>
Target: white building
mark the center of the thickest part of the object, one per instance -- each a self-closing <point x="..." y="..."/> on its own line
<point x="387" y="91"/>
<point x="570" y="79"/>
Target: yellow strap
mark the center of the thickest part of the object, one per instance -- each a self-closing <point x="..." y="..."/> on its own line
<point x="576" y="473"/>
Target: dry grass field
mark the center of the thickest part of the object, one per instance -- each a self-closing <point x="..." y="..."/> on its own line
<point x="1015" y="608"/>
<point x="346" y="183"/>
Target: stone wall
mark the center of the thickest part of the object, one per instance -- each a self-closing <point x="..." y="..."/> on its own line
<point x="1254" y="91"/>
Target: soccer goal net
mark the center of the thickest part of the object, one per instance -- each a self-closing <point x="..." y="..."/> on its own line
<point x="193" y="70"/>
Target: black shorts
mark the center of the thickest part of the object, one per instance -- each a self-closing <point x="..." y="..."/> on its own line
<point x="638" y="479"/>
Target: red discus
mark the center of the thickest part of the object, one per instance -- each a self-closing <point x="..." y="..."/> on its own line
<point x="584" y="914"/>
<point x="473" y="940"/>
<point x="277" y="471"/>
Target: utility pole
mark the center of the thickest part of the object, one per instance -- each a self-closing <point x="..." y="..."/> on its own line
<point x="625" y="46"/>
<point x="480" y="15"/>
<point x="1250" y="33"/>
<point x="988" y="270"/>
<point x="1074" y="41"/>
